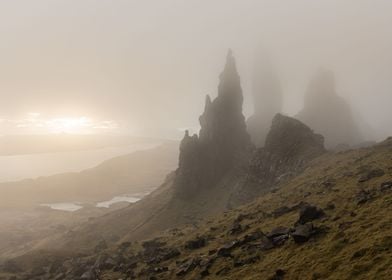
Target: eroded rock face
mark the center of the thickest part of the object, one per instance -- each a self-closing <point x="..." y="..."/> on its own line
<point x="289" y="147"/>
<point x="328" y="113"/>
<point x="222" y="141"/>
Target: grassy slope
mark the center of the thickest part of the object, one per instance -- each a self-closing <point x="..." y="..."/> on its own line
<point x="357" y="245"/>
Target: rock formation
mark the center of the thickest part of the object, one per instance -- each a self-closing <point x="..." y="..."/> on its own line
<point x="328" y="113"/>
<point x="223" y="140"/>
<point x="267" y="99"/>
<point x="290" y="145"/>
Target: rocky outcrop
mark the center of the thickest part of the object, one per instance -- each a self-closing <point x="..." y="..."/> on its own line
<point x="289" y="147"/>
<point x="328" y="113"/>
<point x="222" y="142"/>
<point x="267" y="100"/>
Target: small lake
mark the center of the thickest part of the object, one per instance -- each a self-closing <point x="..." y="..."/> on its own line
<point x="66" y="206"/>
<point x="74" y="206"/>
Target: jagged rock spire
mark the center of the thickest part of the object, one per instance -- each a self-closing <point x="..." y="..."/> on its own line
<point x="267" y="98"/>
<point x="222" y="139"/>
<point x="230" y="80"/>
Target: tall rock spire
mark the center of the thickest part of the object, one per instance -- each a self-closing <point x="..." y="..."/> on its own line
<point x="328" y="113"/>
<point x="229" y="79"/>
<point x="267" y="99"/>
<point x="223" y="139"/>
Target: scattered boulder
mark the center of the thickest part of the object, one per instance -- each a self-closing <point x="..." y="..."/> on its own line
<point x="151" y="245"/>
<point x="187" y="266"/>
<point x="279" y="235"/>
<point x="309" y="213"/>
<point x="244" y="261"/>
<point x="170" y="253"/>
<point x="370" y="174"/>
<point x="363" y="196"/>
<point x="285" y="209"/>
<point x="256" y="235"/>
<point x="109" y="264"/>
<point x="279" y="275"/>
<point x="225" y="250"/>
<point x="281" y="211"/>
<point x="278" y="232"/>
<point x="161" y="254"/>
<point x="303" y="232"/>
<point x="196" y="243"/>
<point x="88" y="275"/>
<point x="330" y="206"/>
<point x="386" y="186"/>
<point x="236" y="228"/>
<point x="205" y="264"/>
<point x="223" y="271"/>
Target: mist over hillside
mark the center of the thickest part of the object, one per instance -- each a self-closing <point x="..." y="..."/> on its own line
<point x="172" y="139"/>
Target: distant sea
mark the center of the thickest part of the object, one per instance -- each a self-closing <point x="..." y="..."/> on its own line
<point x="18" y="167"/>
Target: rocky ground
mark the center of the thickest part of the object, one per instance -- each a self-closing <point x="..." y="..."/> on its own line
<point x="333" y="221"/>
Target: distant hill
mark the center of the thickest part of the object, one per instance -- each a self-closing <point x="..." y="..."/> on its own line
<point x="136" y="172"/>
<point x="50" y="143"/>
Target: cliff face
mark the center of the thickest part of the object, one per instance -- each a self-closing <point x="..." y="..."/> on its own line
<point x="329" y="113"/>
<point x="267" y="100"/>
<point x="223" y="141"/>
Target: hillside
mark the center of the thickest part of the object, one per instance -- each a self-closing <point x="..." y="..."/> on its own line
<point x="330" y="222"/>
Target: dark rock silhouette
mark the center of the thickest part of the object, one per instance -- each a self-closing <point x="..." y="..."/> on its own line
<point x="289" y="147"/>
<point x="328" y="113"/>
<point x="223" y="140"/>
<point x="267" y="100"/>
<point x="290" y="144"/>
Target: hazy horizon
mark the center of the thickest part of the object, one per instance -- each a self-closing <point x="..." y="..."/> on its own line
<point x="144" y="67"/>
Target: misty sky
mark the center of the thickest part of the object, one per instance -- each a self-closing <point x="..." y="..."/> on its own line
<point x="144" y="67"/>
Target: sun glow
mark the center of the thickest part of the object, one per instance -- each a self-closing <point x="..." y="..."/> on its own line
<point x="37" y="123"/>
<point x="70" y="125"/>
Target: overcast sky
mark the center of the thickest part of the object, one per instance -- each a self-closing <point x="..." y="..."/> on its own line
<point x="145" y="66"/>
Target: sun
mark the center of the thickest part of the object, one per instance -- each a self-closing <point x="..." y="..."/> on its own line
<point x="69" y="125"/>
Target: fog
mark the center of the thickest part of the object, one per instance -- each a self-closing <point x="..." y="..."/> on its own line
<point x="146" y="66"/>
